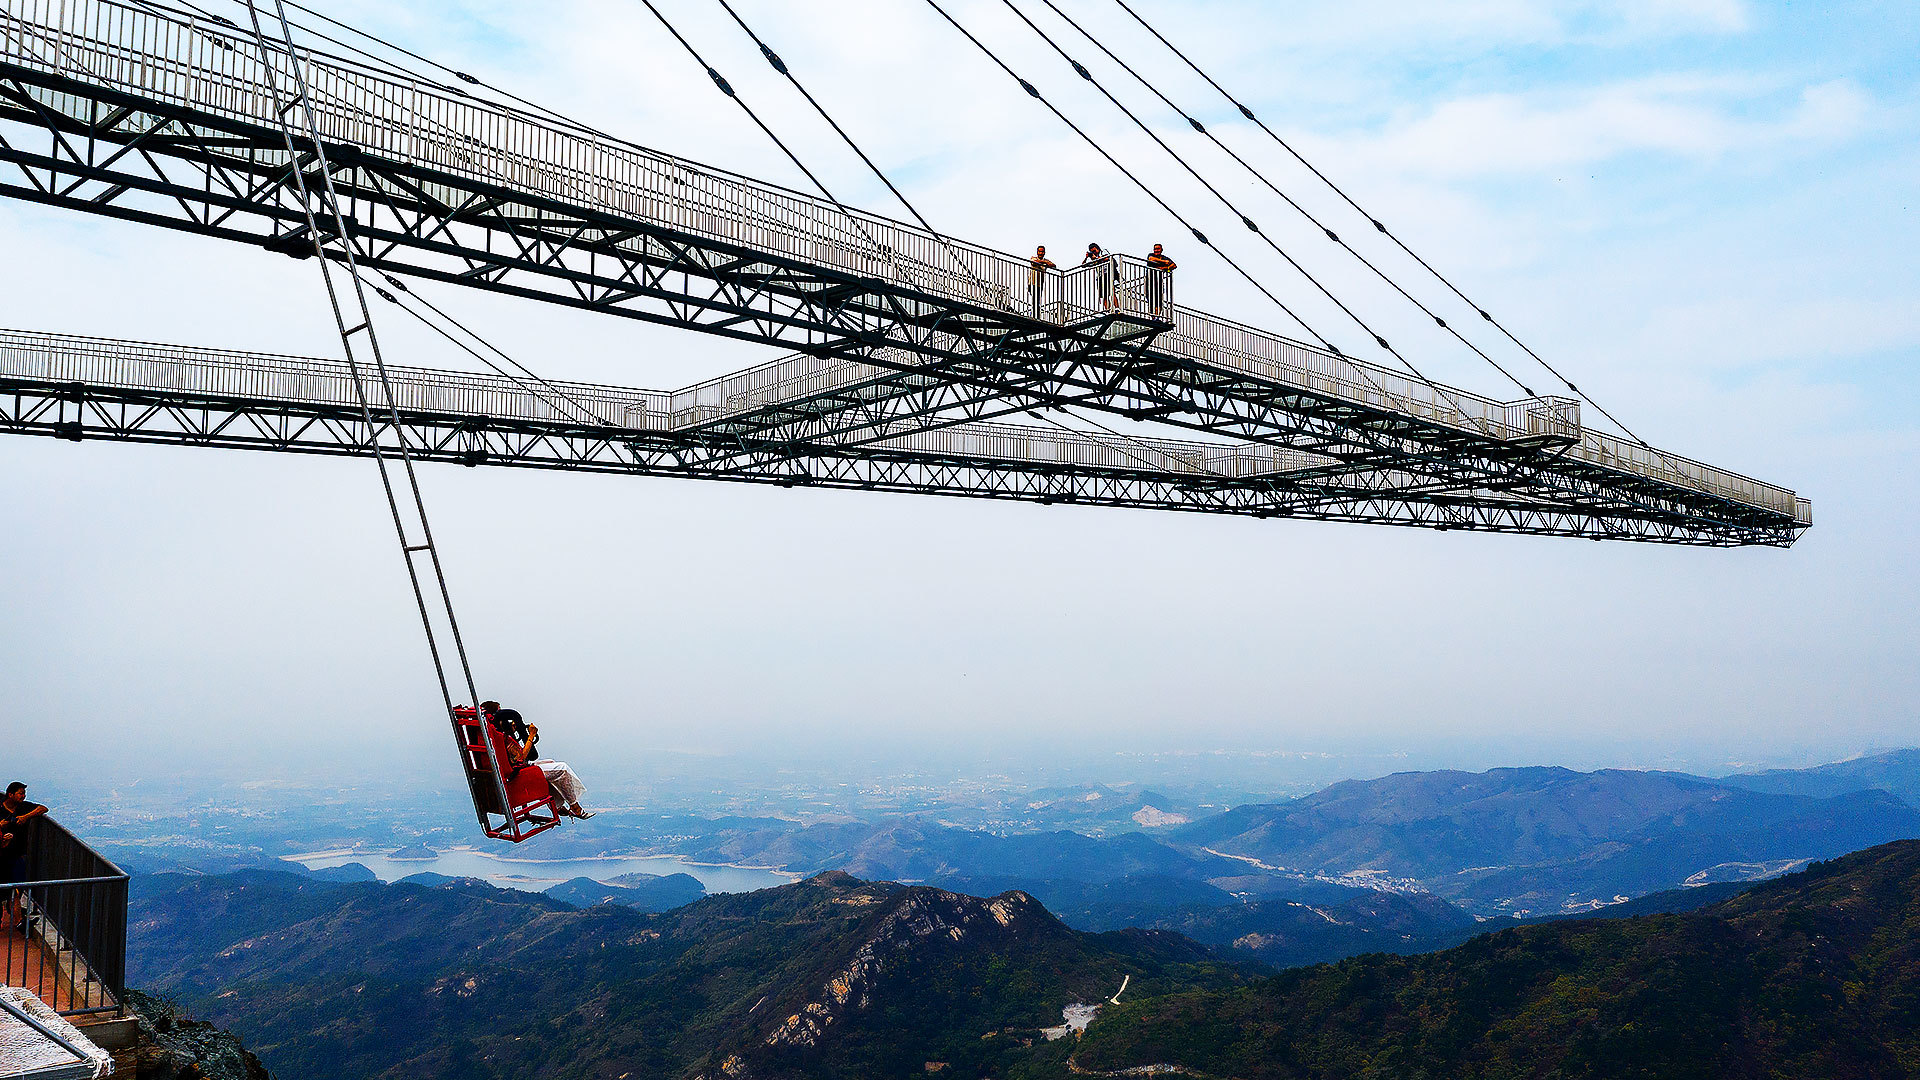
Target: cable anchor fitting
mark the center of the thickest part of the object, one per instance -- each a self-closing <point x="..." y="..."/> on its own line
<point x="773" y="58"/>
<point x="1031" y="92"/>
<point x="725" y="87"/>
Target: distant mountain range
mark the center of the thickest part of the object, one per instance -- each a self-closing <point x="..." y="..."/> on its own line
<point x="1813" y="975"/>
<point x="1524" y="841"/>
<point x="1547" y="839"/>
<point x="1896" y="772"/>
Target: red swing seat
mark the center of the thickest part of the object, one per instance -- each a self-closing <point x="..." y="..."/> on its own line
<point x="529" y="809"/>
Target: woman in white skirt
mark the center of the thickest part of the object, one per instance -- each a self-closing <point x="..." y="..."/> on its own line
<point x="524" y="740"/>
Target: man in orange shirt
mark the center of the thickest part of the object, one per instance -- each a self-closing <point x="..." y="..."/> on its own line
<point x="1159" y="269"/>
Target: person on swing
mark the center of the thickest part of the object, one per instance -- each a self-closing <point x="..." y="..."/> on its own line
<point x="523" y="740"/>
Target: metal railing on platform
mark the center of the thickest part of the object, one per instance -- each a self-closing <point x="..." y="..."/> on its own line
<point x="1114" y="284"/>
<point x="66" y="924"/>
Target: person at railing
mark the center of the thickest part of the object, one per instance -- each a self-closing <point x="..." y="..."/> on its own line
<point x="1159" y="270"/>
<point x="1037" y="277"/>
<point x="1102" y="264"/>
<point x="15" y="812"/>
<point x="523" y="740"/>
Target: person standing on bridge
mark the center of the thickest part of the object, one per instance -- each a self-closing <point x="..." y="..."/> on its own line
<point x="1037" y="277"/>
<point x="1102" y="264"/>
<point x="1159" y="273"/>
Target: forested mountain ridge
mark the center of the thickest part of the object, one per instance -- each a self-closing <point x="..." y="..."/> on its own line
<point x="1816" y="974"/>
<point x="828" y="977"/>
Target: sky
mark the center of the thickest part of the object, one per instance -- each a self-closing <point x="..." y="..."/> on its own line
<point x="1701" y="210"/>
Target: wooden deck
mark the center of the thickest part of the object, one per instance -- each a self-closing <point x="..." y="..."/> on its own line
<point x="59" y="978"/>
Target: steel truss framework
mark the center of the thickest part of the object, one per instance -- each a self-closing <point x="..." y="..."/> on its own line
<point x="79" y="388"/>
<point x="897" y="353"/>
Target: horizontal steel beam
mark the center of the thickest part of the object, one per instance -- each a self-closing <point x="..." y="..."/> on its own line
<point x="79" y="388"/>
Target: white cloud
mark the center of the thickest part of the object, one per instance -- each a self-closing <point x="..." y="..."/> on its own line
<point x="1690" y="117"/>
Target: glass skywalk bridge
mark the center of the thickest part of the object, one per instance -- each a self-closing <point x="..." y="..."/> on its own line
<point x="167" y="119"/>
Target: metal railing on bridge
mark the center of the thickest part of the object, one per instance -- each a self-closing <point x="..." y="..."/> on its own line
<point x="82" y="362"/>
<point x="70" y="948"/>
<point x="230" y="374"/>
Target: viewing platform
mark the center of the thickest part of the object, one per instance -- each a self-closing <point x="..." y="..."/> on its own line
<point x="73" y="952"/>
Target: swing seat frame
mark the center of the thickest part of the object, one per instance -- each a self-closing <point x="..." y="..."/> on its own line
<point x="512" y="804"/>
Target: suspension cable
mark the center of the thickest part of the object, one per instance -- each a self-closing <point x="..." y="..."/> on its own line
<point x="1034" y="93"/>
<point x="1380" y="340"/>
<point x="727" y="88"/>
<point x="780" y="66"/>
<point x="1303" y="211"/>
<point x="538" y="384"/>
<point x="1380" y="226"/>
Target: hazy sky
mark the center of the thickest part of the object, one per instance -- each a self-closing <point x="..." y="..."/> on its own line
<point x="1702" y="209"/>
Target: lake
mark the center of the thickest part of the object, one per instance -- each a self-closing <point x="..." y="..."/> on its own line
<point x="538" y="875"/>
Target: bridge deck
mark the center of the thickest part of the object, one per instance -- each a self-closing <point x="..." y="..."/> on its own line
<point x="82" y="387"/>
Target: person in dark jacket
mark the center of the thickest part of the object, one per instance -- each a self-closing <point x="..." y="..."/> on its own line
<point x="1102" y="275"/>
<point x="15" y="812"/>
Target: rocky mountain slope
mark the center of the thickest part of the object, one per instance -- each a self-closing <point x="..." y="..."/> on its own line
<point x="829" y="977"/>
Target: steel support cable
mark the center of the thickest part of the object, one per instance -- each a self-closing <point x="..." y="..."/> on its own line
<point x="304" y="102"/>
<point x="1290" y="201"/>
<point x="1034" y="93"/>
<point x="780" y="66"/>
<point x="726" y="88"/>
<point x="1378" y="338"/>
<point x="1380" y="226"/>
<point x="538" y="382"/>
